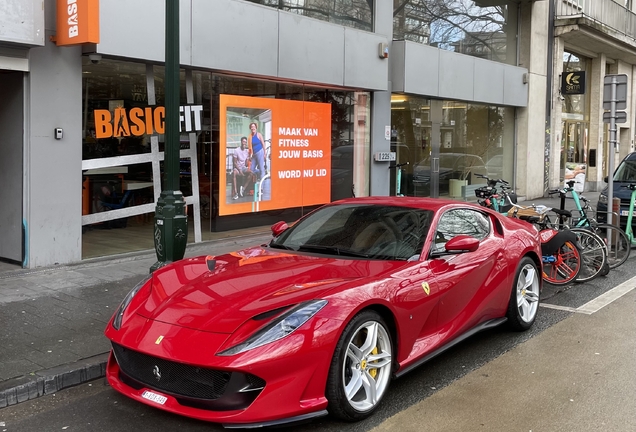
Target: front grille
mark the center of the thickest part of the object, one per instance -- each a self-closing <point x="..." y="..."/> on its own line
<point x="172" y="377"/>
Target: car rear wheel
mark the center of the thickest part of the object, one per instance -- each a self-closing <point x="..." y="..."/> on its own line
<point x="524" y="299"/>
<point x="361" y="368"/>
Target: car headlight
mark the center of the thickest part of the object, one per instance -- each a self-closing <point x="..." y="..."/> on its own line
<point x="602" y="199"/>
<point x="124" y="304"/>
<point x="282" y="326"/>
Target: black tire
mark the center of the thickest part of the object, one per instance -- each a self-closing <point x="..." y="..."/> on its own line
<point x="524" y="296"/>
<point x="347" y="370"/>
<point x="618" y="245"/>
<point x="593" y="254"/>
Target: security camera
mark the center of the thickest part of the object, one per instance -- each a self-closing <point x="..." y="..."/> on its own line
<point x="561" y="98"/>
<point x="95" y="58"/>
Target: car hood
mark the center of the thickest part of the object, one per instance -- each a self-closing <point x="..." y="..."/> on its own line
<point x="248" y="283"/>
<point x="619" y="192"/>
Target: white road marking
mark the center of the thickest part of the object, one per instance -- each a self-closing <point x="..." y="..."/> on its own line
<point x="599" y="302"/>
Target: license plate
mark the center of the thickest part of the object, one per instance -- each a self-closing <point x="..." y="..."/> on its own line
<point x="154" y="397"/>
<point x="624" y="212"/>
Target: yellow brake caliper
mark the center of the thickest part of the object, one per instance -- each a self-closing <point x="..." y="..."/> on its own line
<point x="373" y="372"/>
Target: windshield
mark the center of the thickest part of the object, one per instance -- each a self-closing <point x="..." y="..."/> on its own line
<point x="626" y="172"/>
<point x="360" y="230"/>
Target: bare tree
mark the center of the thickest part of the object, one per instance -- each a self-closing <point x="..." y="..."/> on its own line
<point x="456" y="25"/>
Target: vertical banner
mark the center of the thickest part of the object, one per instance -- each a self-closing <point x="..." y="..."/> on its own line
<point x="274" y="154"/>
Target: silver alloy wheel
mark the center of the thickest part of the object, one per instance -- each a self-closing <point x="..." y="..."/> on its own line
<point x="366" y="370"/>
<point x="528" y="293"/>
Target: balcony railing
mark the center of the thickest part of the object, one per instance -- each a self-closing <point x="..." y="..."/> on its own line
<point x="607" y="12"/>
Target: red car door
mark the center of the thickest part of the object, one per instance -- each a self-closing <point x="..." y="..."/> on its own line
<point x="468" y="282"/>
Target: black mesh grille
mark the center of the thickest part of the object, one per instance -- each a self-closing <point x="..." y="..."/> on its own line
<point x="172" y="377"/>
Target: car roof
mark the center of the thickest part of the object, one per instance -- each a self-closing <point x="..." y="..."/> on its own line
<point x="631" y="156"/>
<point x="433" y="204"/>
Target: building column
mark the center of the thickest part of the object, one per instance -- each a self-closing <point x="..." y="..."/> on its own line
<point x="595" y="174"/>
<point x="531" y="124"/>
<point x="381" y="107"/>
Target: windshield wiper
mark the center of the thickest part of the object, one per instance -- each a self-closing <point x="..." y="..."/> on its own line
<point x="280" y="246"/>
<point x="332" y="250"/>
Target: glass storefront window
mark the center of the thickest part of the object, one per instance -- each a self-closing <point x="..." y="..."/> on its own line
<point x="463" y="26"/>
<point x="575" y="125"/>
<point x="123" y="141"/>
<point x="474" y="139"/>
<point x="349" y="13"/>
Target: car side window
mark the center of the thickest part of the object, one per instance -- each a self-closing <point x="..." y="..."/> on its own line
<point x="461" y="221"/>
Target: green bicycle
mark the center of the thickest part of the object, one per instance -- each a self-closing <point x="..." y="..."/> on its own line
<point x="616" y="240"/>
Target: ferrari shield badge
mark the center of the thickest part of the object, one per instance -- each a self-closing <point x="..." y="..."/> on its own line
<point x="159" y="339"/>
<point x="426" y="288"/>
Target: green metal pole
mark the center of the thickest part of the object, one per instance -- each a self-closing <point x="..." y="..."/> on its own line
<point x="171" y="223"/>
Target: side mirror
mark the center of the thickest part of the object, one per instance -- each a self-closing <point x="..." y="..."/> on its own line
<point x="462" y="243"/>
<point x="606" y="179"/>
<point x="278" y="228"/>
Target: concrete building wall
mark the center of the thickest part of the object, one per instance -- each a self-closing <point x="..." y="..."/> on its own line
<point x="22" y="22"/>
<point x="265" y="42"/>
<point x="53" y="167"/>
<point x="425" y="70"/>
<point x="531" y="120"/>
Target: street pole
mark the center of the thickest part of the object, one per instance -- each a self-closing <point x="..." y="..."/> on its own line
<point x="612" y="152"/>
<point x="171" y="223"/>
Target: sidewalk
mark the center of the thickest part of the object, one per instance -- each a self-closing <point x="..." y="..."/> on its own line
<point x="52" y="320"/>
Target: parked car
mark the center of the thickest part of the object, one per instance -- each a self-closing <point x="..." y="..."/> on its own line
<point x="624" y="174"/>
<point x="460" y="166"/>
<point x="323" y="317"/>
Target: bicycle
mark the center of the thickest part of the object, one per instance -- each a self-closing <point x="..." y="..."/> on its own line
<point x="629" y="232"/>
<point x="488" y="196"/>
<point x="616" y="241"/>
<point x="594" y="258"/>
<point x="561" y="254"/>
<point x="398" y="177"/>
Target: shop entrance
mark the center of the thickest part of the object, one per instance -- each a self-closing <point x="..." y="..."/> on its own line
<point x="573" y="149"/>
<point x="11" y="165"/>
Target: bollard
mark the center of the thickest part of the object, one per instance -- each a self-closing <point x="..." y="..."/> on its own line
<point x="616" y="209"/>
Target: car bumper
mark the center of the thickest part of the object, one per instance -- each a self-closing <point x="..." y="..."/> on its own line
<point x="601" y="215"/>
<point x="277" y="383"/>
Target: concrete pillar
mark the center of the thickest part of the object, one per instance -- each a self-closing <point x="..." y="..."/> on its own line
<point x="594" y="181"/>
<point x="531" y="121"/>
<point x="381" y="108"/>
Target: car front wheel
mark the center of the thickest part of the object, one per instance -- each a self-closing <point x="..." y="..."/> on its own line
<point x="524" y="299"/>
<point x="361" y="368"/>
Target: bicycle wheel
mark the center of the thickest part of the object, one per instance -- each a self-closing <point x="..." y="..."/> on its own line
<point x="593" y="254"/>
<point x="564" y="266"/>
<point x="618" y="245"/>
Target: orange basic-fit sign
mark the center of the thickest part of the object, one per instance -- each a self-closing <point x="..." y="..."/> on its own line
<point x="77" y="22"/>
<point x="297" y="152"/>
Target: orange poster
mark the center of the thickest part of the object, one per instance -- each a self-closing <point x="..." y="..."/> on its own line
<point x="274" y="154"/>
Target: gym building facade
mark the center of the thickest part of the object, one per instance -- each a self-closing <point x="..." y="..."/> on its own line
<point x="285" y="105"/>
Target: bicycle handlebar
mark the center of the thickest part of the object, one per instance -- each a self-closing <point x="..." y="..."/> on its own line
<point x="398" y="165"/>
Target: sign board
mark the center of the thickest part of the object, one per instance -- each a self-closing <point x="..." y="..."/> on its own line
<point x="77" y="22"/>
<point x="384" y="156"/>
<point x="620" y="117"/>
<point x="621" y="91"/>
<point x="573" y="83"/>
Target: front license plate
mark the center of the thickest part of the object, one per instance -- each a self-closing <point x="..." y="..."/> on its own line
<point x="154" y="397"/>
<point x="624" y="212"/>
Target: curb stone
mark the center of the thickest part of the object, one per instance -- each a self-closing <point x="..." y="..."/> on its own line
<point x="48" y="381"/>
